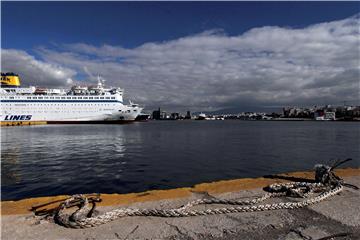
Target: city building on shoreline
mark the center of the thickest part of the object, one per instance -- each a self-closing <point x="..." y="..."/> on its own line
<point x="327" y="112"/>
<point x="320" y="113"/>
<point x="163" y="115"/>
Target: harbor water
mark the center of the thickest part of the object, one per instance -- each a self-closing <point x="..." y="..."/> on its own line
<point x="67" y="159"/>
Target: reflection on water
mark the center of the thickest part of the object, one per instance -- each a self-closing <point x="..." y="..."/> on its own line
<point x="68" y="159"/>
<point x="9" y="167"/>
<point x="39" y="159"/>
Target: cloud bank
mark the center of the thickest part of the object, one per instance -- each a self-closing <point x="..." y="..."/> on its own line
<point x="265" y="66"/>
<point x="35" y="72"/>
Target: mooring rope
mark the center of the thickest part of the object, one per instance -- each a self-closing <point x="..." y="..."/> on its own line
<point x="327" y="184"/>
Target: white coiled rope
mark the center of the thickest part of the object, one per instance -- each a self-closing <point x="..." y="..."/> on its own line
<point x="327" y="184"/>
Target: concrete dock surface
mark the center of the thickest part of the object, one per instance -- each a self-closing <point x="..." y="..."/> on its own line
<point x="337" y="217"/>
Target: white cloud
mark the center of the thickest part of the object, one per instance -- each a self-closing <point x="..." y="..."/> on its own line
<point x="35" y="72"/>
<point x="265" y="66"/>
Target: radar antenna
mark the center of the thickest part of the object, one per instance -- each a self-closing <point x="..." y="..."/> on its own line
<point x="101" y="81"/>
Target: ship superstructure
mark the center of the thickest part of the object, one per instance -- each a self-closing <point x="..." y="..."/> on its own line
<point x="80" y="104"/>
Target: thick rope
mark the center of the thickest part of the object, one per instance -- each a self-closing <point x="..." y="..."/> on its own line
<point x="327" y="185"/>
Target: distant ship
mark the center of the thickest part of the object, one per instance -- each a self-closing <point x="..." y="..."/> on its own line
<point x="80" y="104"/>
<point x="142" y="117"/>
<point x="202" y="116"/>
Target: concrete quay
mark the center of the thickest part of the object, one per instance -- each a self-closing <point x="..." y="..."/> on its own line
<point x="337" y="217"/>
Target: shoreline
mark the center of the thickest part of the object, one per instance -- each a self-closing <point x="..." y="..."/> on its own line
<point x="23" y="206"/>
<point x="31" y="123"/>
<point x="335" y="216"/>
<point x="28" y="123"/>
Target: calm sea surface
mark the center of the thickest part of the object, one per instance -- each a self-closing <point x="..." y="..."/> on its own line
<point x="68" y="159"/>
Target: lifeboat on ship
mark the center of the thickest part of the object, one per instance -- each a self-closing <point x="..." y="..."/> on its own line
<point x="41" y="91"/>
<point x="79" y="90"/>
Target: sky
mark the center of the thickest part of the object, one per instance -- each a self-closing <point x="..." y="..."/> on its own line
<point x="198" y="56"/>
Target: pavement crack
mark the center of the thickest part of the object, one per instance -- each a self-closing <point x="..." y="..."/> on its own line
<point x="117" y="235"/>
<point x="298" y="232"/>
<point x="338" y="235"/>
<point x="132" y="231"/>
<point x="177" y="229"/>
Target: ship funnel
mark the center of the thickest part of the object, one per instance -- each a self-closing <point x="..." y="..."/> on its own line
<point x="10" y="80"/>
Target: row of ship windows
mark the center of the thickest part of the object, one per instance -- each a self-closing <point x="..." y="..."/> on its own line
<point x="62" y="111"/>
<point x="65" y="98"/>
<point x="61" y="104"/>
<point x="73" y="111"/>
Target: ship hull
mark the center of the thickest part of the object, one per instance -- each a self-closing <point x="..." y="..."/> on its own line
<point x="92" y="122"/>
<point x="70" y="110"/>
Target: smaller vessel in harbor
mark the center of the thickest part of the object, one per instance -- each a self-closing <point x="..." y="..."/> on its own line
<point x="202" y="116"/>
<point x="142" y="117"/>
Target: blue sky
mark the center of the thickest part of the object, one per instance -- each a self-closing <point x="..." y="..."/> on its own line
<point x="130" y="24"/>
<point x="230" y="51"/>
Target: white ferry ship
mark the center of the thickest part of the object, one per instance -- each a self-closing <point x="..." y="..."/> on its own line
<point x="80" y="104"/>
